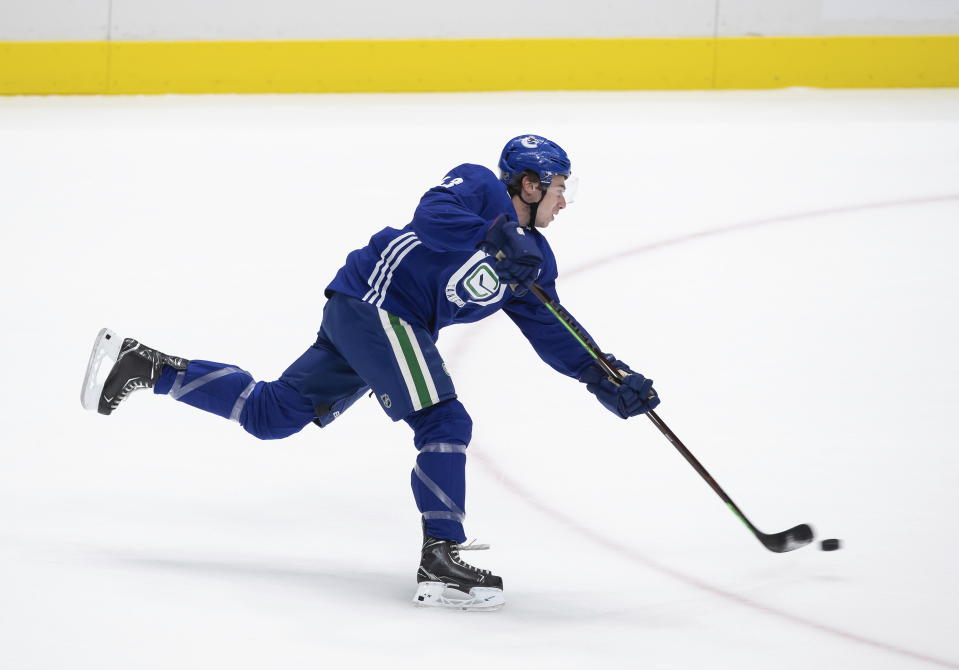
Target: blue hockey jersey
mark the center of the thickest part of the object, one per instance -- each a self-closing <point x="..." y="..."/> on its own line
<point x="432" y="274"/>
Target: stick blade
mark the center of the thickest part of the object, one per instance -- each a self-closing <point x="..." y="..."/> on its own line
<point x="788" y="540"/>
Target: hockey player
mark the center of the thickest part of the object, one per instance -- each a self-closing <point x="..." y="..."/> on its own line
<point x="474" y="247"/>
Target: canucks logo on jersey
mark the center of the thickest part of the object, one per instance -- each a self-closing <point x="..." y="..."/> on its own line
<point x="481" y="282"/>
<point x="475" y="281"/>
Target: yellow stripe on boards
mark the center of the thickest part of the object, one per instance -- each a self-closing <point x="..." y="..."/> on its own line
<point x="401" y="65"/>
<point x="837" y="62"/>
<point x="28" y="68"/>
<point x="349" y="66"/>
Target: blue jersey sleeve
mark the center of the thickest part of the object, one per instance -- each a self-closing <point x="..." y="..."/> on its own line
<point x="454" y="215"/>
<point x="550" y="338"/>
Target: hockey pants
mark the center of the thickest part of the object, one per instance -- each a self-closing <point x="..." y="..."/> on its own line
<point x="272" y="410"/>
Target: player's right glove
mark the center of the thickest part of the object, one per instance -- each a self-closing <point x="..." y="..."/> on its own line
<point x="632" y="396"/>
<point x="518" y="257"/>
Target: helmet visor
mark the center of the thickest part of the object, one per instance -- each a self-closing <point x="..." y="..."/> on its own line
<point x="567" y="190"/>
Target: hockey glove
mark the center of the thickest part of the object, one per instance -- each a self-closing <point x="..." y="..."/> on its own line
<point x="631" y="396"/>
<point x="518" y="257"/>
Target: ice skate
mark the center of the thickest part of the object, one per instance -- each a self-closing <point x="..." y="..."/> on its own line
<point x="133" y="367"/>
<point x="445" y="580"/>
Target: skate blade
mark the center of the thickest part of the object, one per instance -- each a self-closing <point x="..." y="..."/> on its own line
<point x="438" y="594"/>
<point x="105" y="347"/>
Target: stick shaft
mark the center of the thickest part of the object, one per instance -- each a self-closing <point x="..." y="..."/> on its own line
<point x="597" y="355"/>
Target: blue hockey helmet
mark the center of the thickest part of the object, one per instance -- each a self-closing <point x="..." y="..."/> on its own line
<point x="536" y="154"/>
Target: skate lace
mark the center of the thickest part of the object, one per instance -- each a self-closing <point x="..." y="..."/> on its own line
<point x="472" y="546"/>
<point x="128" y="388"/>
<point x="158" y="358"/>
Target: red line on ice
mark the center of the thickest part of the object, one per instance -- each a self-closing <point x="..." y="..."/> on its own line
<point x="756" y="223"/>
<point x="690" y="580"/>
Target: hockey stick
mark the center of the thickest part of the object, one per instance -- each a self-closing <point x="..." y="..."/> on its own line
<point x="787" y="540"/>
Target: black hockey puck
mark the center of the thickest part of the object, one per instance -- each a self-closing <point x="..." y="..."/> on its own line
<point x="831" y="544"/>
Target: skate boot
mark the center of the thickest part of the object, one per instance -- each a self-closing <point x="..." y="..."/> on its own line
<point x="134" y="367"/>
<point x="445" y="580"/>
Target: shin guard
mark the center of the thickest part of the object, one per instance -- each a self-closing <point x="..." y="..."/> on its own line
<point x="441" y="434"/>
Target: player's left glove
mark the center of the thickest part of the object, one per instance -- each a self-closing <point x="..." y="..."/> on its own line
<point x="518" y="257"/>
<point x="632" y="396"/>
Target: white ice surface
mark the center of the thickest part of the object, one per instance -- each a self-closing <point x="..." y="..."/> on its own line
<point x="809" y="360"/>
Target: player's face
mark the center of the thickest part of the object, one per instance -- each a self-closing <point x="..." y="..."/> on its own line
<point x="553" y="201"/>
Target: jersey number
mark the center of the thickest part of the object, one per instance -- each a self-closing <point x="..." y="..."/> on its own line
<point x="452" y="182"/>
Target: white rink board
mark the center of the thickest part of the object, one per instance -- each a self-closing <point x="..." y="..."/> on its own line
<point x="416" y="19"/>
<point x="30" y="20"/>
<point x="419" y="19"/>
<point x="786" y="18"/>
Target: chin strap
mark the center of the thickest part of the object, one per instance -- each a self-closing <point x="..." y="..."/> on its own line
<point x="533" y="206"/>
